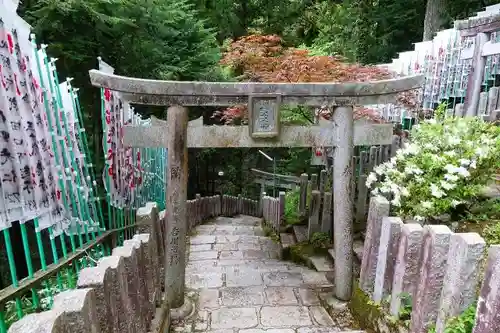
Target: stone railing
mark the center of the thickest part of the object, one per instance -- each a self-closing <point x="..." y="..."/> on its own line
<point x="123" y="292"/>
<point x="435" y="271"/>
<point x="232" y="205"/>
<point x="273" y="210"/>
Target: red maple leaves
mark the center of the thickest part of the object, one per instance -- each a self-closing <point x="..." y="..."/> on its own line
<point x="259" y="58"/>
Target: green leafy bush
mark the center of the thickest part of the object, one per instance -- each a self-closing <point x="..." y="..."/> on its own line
<point x="292" y="199"/>
<point x="464" y="323"/>
<point x="447" y="164"/>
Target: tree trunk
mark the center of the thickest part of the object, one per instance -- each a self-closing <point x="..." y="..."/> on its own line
<point x="434" y="18"/>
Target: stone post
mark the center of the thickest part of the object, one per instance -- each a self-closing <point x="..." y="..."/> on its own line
<point x="488" y="307"/>
<point x="314" y="212"/>
<point x="378" y="209"/>
<point x="281" y="199"/>
<point x="314" y="182"/>
<point x="476" y="76"/>
<point x="387" y="254"/>
<point x="434" y="257"/>
<point x="462" y="276"/>
<point x="303" y="194"/>
<point x="342" y="200"/>
<point x="406" y="270"/>
<point x="326" y="216"/>
<point x="176" y="224"/>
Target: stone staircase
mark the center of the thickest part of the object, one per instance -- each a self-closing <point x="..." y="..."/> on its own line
<point x="238" y="283"/>
<point x="321" y="263"/>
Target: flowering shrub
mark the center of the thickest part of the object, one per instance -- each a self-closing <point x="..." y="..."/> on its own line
<point x="447" y="163"/>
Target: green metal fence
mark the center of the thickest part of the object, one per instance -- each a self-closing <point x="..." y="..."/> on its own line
<point x="36" y="261"/>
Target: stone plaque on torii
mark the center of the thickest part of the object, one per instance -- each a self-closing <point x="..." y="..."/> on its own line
<point x="264" y="130"/>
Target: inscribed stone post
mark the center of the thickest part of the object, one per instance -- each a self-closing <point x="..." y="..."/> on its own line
<point x="387" y="254"/>
<point x="342" y="200"/>
<point x="462" y="276"/>
<point x="121" y="304"/>
<point x="379" y="208"/>
<point x="99" y="279"/>
<point x="78" y="310"/>
<point x="434" y="257"/>
<point x="488" y="305"/>
<point x="406" y="269"/>
<point x="314" y="212"/>
<point x="326" y="216"/>
<point x="175" y="265"/>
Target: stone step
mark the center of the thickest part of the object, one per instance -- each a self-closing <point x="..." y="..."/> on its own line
<point x="300" y="232"/>
<point x="237" y="220"/>
<point x="208" y="229"/>
<point x="198" y="239"/>
<point x="357" y="248"/>
<point x="287" y="240"/>
<point x="322" y="263"/>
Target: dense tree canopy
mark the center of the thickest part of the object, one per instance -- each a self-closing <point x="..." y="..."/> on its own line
<point x="288" y="40"/>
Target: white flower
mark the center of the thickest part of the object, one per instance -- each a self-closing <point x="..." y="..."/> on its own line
<point x="379" y="169"/>
<point x="481" y="151"/>
<point x="418" y="218"/>
<point x="464" y="162"/>
<point x="404" y="192"/>
<point x="396" y="201"/>
<point x="473" y="164"/>
<point x="450" y="177"/>
<point x="455" y="203"/>
<point x="430" y="121"/>
<point x="370" y="179"/>
<point x="463" y="172"/>
<point x="436" y="191"/>
<point x="450" y="153"/>
<point x="448" y="186"/>
<point x="453" y="140"/>
<point x="426" y="204"/>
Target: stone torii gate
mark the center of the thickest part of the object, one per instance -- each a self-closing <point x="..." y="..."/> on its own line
<point x="263" y="130"/>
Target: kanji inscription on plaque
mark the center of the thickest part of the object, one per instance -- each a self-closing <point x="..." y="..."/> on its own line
<point x="264" y="115"/>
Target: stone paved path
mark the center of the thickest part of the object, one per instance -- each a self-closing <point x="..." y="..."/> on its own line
<point x="240" y="285"/>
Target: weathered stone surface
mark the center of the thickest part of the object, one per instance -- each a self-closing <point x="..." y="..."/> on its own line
<point x="308" y="296"/>
<point x="45" y="322"/>
<point x="488" y="307"/>
<point x="406" y="270"/>
<point x="78" y="310"/>
<point x="129" y="255"/>
<point x="243" y="296"/>
<point x="121" y="306"/>
<point x="284" y="316"/>
<point x="320" y="316"/>
<point x="379" y="208"/>
<point x="149" y="270"/>
<point x="145" y="306"/>
<point x="387" y="253"/>
<point x="462" y="276"/>
<point x="436" y="243"/>
<point x="278" y="279"/>
<point x="148" y="222"/>
<point x="99" y="278"/>
<point x="281" y="296"/>
<point x="234" y="318"/>
<point x="322" y="263"/>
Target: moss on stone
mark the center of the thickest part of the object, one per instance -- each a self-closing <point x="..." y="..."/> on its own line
<point x="371" y="316"/>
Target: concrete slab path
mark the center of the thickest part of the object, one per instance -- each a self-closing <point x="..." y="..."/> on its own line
<point x="240" y="286"/>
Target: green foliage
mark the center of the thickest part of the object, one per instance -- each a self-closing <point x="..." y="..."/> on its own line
<point x="320" y="240"/>
<point x="406" y="307"/>
<point x="464" y="323"/>
<point x="446" y="165"/>
<point x="292" y="199"/>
